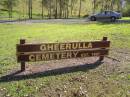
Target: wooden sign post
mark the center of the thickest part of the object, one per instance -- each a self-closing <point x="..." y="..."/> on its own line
<point x="22" y="41"/>
<point x="102" y="57"/>
<point x="56" y="51"/>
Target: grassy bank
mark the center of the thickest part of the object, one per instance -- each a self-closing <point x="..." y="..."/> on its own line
<point x="92" y="83"/>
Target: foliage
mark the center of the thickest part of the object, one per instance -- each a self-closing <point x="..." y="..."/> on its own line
<point x="60" y="8"/>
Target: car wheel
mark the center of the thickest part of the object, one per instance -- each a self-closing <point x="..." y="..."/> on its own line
<point x="113" y="19"/>
<point x="93" y="18"/>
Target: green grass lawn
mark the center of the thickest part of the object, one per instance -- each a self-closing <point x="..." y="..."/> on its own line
<point x="118" y="86"/>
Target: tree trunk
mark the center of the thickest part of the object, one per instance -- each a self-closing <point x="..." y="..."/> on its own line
<point x="10" y="8"/>
<point x="42" y="9"/>
<point x="50" y="10"/>
<point x="119" y="6"/>
<point x="67" y="9"/>
<point x="94" y="6"/>
<point x="30" y="9"/>
<point x="60" y="13"/>
<point x="71" y="8"/>
<point x="112" y="3"/>
<point x="56" y="6"/>
<point x="80" y="8"/>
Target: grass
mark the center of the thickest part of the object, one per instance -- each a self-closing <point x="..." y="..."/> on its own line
<point x="92" y="83"/>
<point x="125" y="18"/>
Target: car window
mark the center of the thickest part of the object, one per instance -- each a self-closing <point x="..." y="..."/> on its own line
<point x="115" y="12"/>
<point x="112" y="13"/>
<point x="108" y="13"/>
<point x="103" y="13"/>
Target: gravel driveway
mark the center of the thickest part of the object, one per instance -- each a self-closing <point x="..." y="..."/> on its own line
<point x="62" y="21"/>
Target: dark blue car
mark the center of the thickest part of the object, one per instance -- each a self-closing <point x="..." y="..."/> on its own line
<point x="112" y="15"/>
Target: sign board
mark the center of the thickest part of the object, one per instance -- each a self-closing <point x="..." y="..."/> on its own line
<point x="57" y="51"/>
<point x="46" y="56"/>
<point x="45" y="47"/>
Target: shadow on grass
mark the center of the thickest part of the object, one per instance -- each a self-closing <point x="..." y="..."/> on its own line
<point x="107" y="22"/>
<point x="59" y="71"/>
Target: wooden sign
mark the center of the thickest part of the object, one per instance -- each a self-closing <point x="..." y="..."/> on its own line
<point x="57" y="51"/>
<point x="46" y="56"/>
<point x="61" y="46"/>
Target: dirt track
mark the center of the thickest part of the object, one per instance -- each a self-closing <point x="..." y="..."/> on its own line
<point x="65" y="21"/>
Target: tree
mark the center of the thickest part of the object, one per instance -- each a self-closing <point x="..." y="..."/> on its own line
<point x="94" y="6"/>
<point x="66" y="8"/>
<point x="61" y="8"/>
<point x="30" y="9"/>
<point x="56" y="9"/>
<point x="8" y="5"/>
<point x="80" y="5"/>
<point x="50" y="8"/>
<point x="42" y="8"/>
